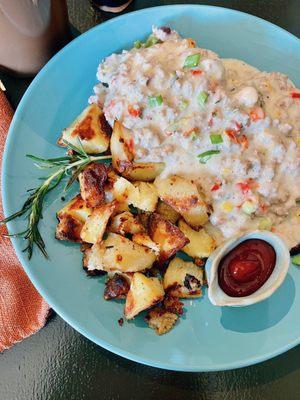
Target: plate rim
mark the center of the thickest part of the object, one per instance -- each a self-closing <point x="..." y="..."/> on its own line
<point x="26" y="263"/>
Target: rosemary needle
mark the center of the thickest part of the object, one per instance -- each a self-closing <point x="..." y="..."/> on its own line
<point x="33" y="206"/>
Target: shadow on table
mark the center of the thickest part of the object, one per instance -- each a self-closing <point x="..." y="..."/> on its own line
<point x="213" y="385"/>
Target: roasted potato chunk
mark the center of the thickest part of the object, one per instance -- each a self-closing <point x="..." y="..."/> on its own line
<point x="69" y="229"/>
<point x="92" y="180"/>
<point x="126" y="223"/>
<point x="91" y="128"/>
<point x="71" y="220"/>
<point x="144" y="240"/>
<point x="168" y="237"/>
<point x="173" y="305"/>
<point x="144" y="293"/>
<point x="142" y="195"/>
<point x="147" y="196"/>
<point x="117" y="253"/>
<point x="76" y="208"/>
<point x="122" y="151"/>
<point x="121" y="147"/>
<point x="182" y="195"/>
<point x="200" y="245"/>
<point x="95" y="225"/>
<point x="112" y="193"/>
<point x="184" y="279"/>
<point x="161" y="320"/>
<point x="167" y="212"/>
<point x="124" y="191"/>
<point x="116" y="287"/>
<point x="93" y="258"/>
<point x="145" y="172"/>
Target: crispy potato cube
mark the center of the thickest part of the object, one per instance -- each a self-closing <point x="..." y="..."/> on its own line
<point x="161" y="320"/>
<point x="167" y="212"/>
<point x="183" y="278"/>
<point x="172" y="304"/>
<point x="122" y="151"/>
<point x="124" y="255"/>
<point x="168" y="237"/>
<point x="69" y="229"/>
<point x="91" y="181"/>
<point x="116" y="287"/>
<point x="145" y="172"/>
<point x="182" y="195"/>
<point x="124" y="191"/>
<point x="201" y="244"/>
<point x="126" y="223"/>
<point x="93" y="258"/>
<point x="71" y="220"/>
<point x="121" y="147"/>
<point x="142" y="195"/>
<point x="109" y="192"/>
<point x="91" y="128"/>
<point x="197" y="216"/>
<point x="117" y="253"/>
<point x="144" y="293"/>
<point x="147" y="196"/>
<point x="76" y="208"/>
<point x="144" y="240"/>
<point x="95" y="225"/>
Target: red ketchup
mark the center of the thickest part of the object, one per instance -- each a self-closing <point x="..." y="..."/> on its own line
<point x="246" y="267"/>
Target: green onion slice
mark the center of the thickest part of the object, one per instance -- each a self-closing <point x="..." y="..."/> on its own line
<point x="204" y="157"/>
<point x="296" y="259"/>
<point x="216" y="139"/>
<point x="138" y="44"/>
<point x="155" y="101"/>
<point x="192" y="61"/>
<point x="151" y="41"/>
<point x="202" y="98"/>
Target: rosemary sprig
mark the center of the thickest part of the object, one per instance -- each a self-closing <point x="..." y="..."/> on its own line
<point x="73" y="163"/>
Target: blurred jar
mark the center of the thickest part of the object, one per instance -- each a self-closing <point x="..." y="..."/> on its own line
<point x="31" y="31"/>
<point x="114" y="6"/>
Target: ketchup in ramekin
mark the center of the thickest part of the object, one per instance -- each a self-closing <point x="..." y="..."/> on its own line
<point x="246" y="268"/>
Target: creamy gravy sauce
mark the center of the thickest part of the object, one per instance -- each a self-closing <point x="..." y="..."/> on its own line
<point x="254" y="180"/>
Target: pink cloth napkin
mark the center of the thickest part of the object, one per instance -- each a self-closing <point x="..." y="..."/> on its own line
<point x="22" y="310"/>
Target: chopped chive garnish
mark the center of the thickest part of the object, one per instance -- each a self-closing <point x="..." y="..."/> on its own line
<point x="138" y="44"/>
<point x="204" y="157"/>
<point x="216" y="139"/>
<point x="192" y="61"/>
<point x="296" y="260"/>
<point x="151" y="41"/>
<point x="202" y="98"/>
<point x="194" y="136"/>
<point x="155" y="101"/>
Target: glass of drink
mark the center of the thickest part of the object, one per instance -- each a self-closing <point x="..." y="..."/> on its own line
<point x="31" y="31"/>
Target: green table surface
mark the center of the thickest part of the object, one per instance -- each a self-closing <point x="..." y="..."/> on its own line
<point x="59" y="363"/>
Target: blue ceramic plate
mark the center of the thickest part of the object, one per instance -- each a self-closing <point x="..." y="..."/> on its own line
<point x="207" y="338"/>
